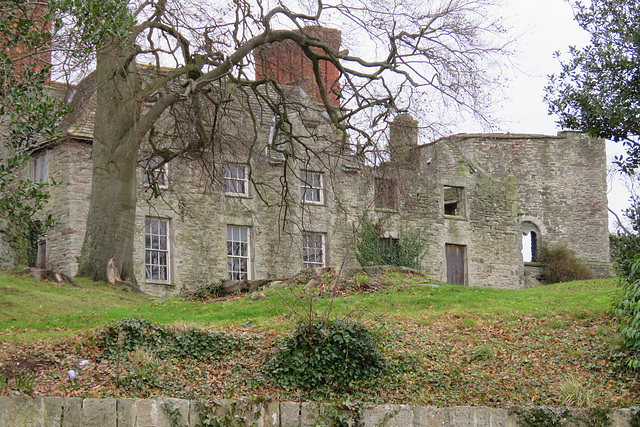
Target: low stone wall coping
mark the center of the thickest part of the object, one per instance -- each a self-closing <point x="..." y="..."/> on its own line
<point x="19" y="411"/>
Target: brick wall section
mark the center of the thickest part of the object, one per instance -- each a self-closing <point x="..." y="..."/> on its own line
<point x="25" y="411"/>
<point x="286" y="62"/>
<point x="24" y="58"/>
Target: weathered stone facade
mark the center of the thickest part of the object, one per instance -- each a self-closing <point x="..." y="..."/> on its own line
<point x="556" y="183"/>
<point x="253" y="207"/>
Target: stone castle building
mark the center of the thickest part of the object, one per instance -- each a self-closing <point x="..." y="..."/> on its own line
<point x="259" y="207"/>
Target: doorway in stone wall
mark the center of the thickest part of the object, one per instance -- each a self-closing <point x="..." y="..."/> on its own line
<point x="456" y="263"/>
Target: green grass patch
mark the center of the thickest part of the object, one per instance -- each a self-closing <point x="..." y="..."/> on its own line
<point x="32" y="310"/>
<point x="445" y="345"/>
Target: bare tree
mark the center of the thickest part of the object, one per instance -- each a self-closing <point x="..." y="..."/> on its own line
<point x="205" y="58"/>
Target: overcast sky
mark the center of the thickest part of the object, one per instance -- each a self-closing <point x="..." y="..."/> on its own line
<point x="545" y="26"/>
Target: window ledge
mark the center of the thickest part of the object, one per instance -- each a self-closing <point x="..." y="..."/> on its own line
<point x="535" y="264"/>
<point x="387" y="210"/>
<point x="238" y="195"/>
<point x="456" y="217"/>
<point x="158" y="282"/>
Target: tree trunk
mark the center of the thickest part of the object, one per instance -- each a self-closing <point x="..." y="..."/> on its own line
<point x="111" y="220"/>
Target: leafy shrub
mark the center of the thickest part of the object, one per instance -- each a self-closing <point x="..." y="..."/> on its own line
<point x="368" y="243"/>
<point x="628" y="312"/>
<point x="541" y="417"/>
<point x="207" y="291"/>
<point x="334" y="353"/>
<point x="373" y="249"/>
<point x="562" y="266"/>
<point x="131" y="334"/>
<point x="624" y="250"/>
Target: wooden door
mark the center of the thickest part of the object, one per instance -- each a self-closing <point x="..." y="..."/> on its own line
<point x="456" y="256"/>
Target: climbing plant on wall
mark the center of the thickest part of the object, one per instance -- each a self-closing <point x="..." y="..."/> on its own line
<point x="372" y="248"/>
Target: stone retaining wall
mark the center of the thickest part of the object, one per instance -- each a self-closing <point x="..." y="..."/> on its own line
<point x="18" y="411"/>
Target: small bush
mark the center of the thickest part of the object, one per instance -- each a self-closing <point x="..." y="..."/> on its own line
<point x="628" y="312"/>
<point x="562" y="266"/>
<point x="624" y="251"/>
<point x="132" y="334"/>
<point x="373" y="249"/>
<point x="208" y="291"/>
<point x="335" y="354"/>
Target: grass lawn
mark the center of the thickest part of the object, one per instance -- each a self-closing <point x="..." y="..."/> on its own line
<point x="446" y="345"/>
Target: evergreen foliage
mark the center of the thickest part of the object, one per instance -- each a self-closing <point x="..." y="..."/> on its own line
<point x="334" y="354"/>
<point x="628" y="312"/>
<point x="133" y="334"/>
<point x="625" y="250"/>
<point x="373" y="249"/>
<point x="598" y="89"/>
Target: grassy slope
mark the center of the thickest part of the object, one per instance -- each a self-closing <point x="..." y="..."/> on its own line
<point x="35" y="309"/>
<point x="450" y="345"/>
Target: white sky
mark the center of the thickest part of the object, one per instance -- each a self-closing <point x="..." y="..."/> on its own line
<point x="544" y="27"/>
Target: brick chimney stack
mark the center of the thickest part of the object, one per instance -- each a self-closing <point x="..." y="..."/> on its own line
<point x="25" y="58"/>
<point x="285" y="62"/>
<point x="403" y="136"/>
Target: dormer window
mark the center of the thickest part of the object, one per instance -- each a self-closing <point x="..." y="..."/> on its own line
<point x="276" y="142"/>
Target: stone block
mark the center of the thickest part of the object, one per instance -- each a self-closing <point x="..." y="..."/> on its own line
<point x="27" y="412"/>
<point x="429" y="416"/>
<point x="312" y="414"/>
<point x="249" y="413"/>
<point x="99" y="412"/>
<point x="194" y="414"/>
<point x="271" y="414"/>
<point x="166" y="404"/>
<point x="145" y="413"/>
<point x="289" y="414"/>
<point x="5" y="411"/>
<point x="52" y="411"/>
<point x="126" y="412"/>
<point x="621" y="417"/>
<point x="470" y="416"/>
<point x="72" y="412"/>
<point x="388" y="415"/>
<point x="500" y="417"/>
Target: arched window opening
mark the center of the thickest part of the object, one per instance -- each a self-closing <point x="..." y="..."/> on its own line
<point x="530" y="236"/>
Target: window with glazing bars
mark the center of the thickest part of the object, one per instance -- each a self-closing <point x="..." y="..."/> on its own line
<point x="312" y="250"/>
<point x="238" y="259"/>
<point x="235" y="179"/>
<point x="156" y="244"/>
<point x="154" y="174"/>
<point x="311" y="187"/>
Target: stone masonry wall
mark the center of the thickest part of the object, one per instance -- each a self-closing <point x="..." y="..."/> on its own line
<point x="561" y="185"/>
<point x="70" y="165"/>
<point x="23" y="411"/>
<point x="556" y="183"/>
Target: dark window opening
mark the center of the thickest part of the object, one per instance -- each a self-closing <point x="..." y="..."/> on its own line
<point x="454" y="201"/>
<point x="386" y="194"/>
